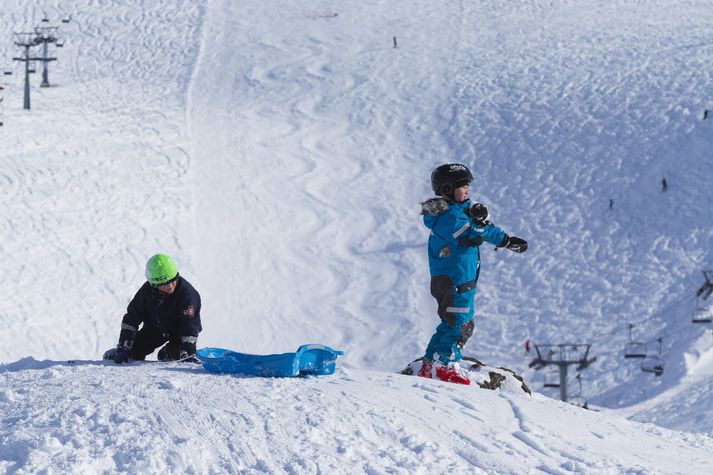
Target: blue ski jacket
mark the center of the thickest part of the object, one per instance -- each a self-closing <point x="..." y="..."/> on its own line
<point x="453" y="244"/>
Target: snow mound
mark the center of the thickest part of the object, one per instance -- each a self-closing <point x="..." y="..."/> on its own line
<point x="93" y="416"/>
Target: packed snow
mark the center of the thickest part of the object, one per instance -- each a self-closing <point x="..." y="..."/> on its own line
<point x="279" y="152"/>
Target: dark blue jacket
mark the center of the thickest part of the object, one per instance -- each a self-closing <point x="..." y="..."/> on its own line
<point x="176" y="315"/>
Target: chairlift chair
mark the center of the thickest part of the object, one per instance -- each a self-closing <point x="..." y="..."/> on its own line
<point x="576" y="398"/>
<point x="703" y="312"/>
<point x="653" y="365"/>
<point x="578" y="392"/>
<point x="634" y="349"/>
<point x="706" y="289"/>
<point x="702" y="315"/>
<point x="552" y="379"/>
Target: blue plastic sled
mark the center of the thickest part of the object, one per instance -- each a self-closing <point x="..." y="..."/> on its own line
<point x="308" y="359"/>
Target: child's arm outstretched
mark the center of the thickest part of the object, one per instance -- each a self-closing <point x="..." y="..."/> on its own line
<point x="483" y="228"/>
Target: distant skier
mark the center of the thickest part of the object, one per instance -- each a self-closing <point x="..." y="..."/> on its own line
<point x="527" y="347"/>
<point x="664" y="185"/>
<point x="167" y="308"/>
<point x="457" y="227"/>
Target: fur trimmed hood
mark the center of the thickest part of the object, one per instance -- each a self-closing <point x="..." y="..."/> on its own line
<point x="434" y="207"/>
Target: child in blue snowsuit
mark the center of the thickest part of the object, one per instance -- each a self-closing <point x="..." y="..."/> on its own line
<point x="458" y="227"/>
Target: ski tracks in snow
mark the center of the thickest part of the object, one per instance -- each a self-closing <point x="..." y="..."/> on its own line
<point x="317" y="127"/>
<point x="86" y="202"/>
<point x="551" y="141"/>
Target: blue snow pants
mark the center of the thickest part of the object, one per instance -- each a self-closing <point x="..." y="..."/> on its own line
<point x="456" y="306"/>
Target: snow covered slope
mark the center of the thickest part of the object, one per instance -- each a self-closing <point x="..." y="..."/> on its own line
<point x="328" y="133"/>
<point x="154" y="418"/>
<point x="95" y="177"/>
<point x="280" y="150"/>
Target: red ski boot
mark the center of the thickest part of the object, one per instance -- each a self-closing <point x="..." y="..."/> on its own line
<point x="452" y="374"/>
<point x="426" y="370"/>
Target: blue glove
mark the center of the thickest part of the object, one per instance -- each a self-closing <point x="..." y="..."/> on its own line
<point x="121" y="355"/>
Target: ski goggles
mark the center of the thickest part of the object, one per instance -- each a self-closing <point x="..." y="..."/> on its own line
<point x="156" y="286"/>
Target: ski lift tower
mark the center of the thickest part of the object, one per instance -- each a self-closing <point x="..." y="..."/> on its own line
<point x="562" y="356"/>
<point x="46" y="35"/>
<point x="26" y="41"/>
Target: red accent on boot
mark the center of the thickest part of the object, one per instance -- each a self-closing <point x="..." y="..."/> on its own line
<point x="426" y="370"/>
<point x="451" y="375"/>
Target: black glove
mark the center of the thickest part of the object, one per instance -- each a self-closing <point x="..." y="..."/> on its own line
<point x="121" y="355"/>
<point x="514" y="243"/>
<point x="173" y="352"/>
<point x="479" y="214"/>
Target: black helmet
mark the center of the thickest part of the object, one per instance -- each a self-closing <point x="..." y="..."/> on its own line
<point x="448" y="177"/>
